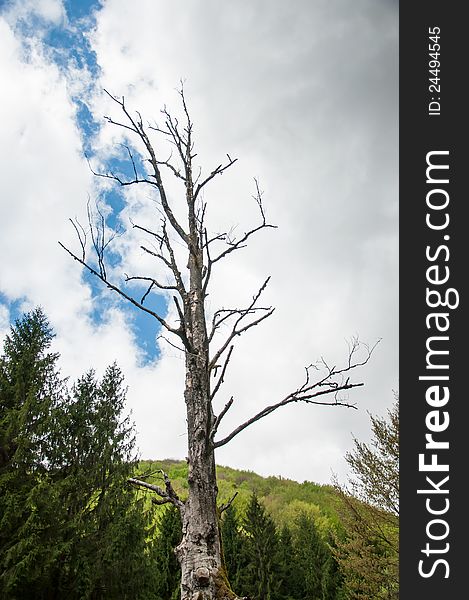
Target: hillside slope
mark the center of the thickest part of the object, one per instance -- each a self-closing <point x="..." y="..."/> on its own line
<point x="283" y="498"/>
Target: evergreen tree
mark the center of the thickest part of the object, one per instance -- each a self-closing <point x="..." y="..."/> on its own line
<point x="290" y="572"/>
<point x="29" y="388"/>
<point x="28" y="382"/>
<point x="94" y="460"/>
<point x="70" y="525"/>
<point x="261" y="579"/>
<point x="233" y="542"/>
<point x="168" y="571"/>
<point x="310" y="555"/>
<point x="317" y="576"/>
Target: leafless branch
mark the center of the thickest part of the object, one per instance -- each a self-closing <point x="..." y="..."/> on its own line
<point x="154" y="282"/>
<point x="102" y="276"/>
<point x="150" y="287"/>
<point x="137" y="127"/>
<point x="81" y="235"/>
<point x="218" y="419"/>
<point x="170" y="166"/>
<point x="311" y="393"/>
<point x="179" y="309"/>
<point x="160" y="501"/>
<point x="117" y="178"/>
<point x="222" y="375"/>
<point x="169" y="489"/>
<point x="227" y="505"/>
<point x="167" y="495"/>
<point x="219" y="237"/>
<point x="219" y="170"/>
<point x="237" y="330"/>
<point x="238" y="244"/>
<point x="175" y="346"/>
<point x="164" y="243"/>
<point x="224" y="314"/>
<point x="172" y="262"/>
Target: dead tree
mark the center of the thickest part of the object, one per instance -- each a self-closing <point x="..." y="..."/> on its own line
<point x="199" y="553"/>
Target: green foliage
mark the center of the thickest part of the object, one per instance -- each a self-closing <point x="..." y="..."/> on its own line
<point x="29" y="385"/>
<point x="168" y="572"/>
<point x="314" y="559"/>
<point x="70" y="525"/>
<point x="368" y="552"/>
<point x="294" y="564"/>
<point x="283" y="498"/>
<point x="290" y="572"/>
<point x="261" y="545"/>
<point x="233" y="546"/>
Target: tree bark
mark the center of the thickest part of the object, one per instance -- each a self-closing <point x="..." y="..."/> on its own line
<point x="199" y="553"/>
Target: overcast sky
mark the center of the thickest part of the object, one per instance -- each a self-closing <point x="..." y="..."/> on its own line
<point x="305" y="95"/>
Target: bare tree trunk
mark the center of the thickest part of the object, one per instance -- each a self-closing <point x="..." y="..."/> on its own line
<point x="200" y="552"/>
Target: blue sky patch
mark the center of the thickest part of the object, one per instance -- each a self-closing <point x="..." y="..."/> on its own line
<point x="68" y="45"/>
<point x="77" y="9"/>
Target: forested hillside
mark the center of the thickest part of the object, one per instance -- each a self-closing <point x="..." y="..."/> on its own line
<point x="282" y="497"/>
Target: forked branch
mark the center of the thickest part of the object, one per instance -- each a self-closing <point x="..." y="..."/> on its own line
<point x="313" y="392"/>
<point x="139" y="304"/>
<point x="227" y="505"/>
<point x="217" y="171"/>
<point x="238" y="327"/>
<point x="218" y="419"/>
<point x="241" y="242"/>
<point x="166" y="495"/>
<point x="136" y="126"/>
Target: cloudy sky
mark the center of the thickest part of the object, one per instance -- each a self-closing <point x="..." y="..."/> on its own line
<point x="304" y="94"/>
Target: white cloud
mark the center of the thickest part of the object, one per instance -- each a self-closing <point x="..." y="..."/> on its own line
<point x="49" y="11"/>
<point x="276" y="86"/>
<point x="45" y="181"/>
<point x="320" y="129"/>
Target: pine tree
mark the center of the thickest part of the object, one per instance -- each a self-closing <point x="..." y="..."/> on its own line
<point x="29" y="508"/>
<point x="169" y="533"/>
<point x="290" y="573"/>
<point x="261" y="579"/>
<point x="70" y="525"/>
<point x="233" y="542"/>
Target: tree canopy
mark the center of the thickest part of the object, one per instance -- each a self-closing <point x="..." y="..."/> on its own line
<point x="368" y="554"/>
<point x="70" y="524"/>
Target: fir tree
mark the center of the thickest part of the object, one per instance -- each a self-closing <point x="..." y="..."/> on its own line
<point x="29" y="508"/>
<point x="70" y="525"/>
<point x="168" y="571"/>
<point x="233" y="541"/>
<point x="290" y="573"/>
<point x="95" y="458"/>
<point x="261" y="578"/>
<point x="310" y="555"/>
